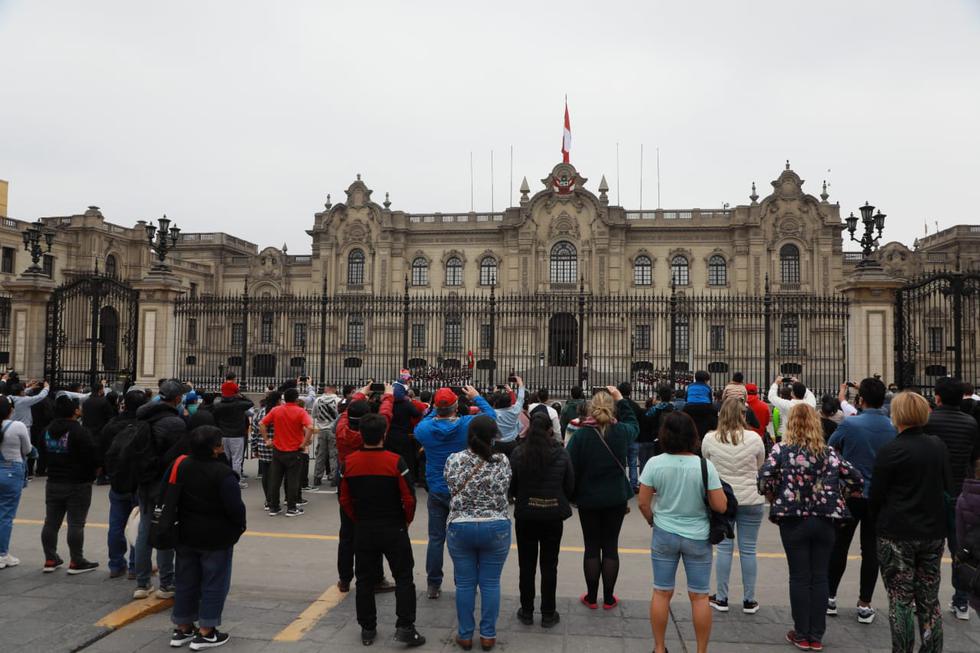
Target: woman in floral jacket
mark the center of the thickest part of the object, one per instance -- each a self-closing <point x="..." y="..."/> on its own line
<point x="807" y="484"/>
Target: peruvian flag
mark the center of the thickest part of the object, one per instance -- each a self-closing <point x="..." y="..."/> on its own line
<point x="566" y="137"/>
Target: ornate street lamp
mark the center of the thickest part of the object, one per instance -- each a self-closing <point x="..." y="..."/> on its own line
<point x="162" y="241"/>
<point x="872" y="223"/>
<point x="35" y="238"/>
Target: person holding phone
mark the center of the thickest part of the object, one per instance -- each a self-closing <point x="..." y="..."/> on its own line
<point x="294" y="432"/>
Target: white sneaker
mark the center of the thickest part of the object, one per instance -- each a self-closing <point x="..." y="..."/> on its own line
<point x="963" y="614"/>
<point x="866" y="615"/>
<point x="142" y="593"/>
<point x="832" y="606"/>
<point x="8" y="561"/>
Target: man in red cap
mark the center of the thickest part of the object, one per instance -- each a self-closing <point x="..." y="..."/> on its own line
<point x="761" y="411"/>
<point x="443" y="432"/>
<point x="231" y="416"/>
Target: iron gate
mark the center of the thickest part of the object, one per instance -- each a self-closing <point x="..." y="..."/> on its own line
<point x="936" y="330"/>
<point x="91" y="332"/>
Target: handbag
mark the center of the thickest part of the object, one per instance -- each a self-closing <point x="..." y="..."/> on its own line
<point x="165" y="522"/>
<point x="622" y="468"/>
<point x="133" y="526"/>
<point x="722" y="526"/>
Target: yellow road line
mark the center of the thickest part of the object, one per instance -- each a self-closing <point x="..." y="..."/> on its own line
<point x="134" y="612"/>
<point x="312" y="614"/>
<point x="334" y="538"/>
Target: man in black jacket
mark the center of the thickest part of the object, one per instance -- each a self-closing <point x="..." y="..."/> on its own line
<point x="166" y="428"/>
<point x="96" y="413"/>
<point x="961" y="435"/>
<point x="231" y="416"/>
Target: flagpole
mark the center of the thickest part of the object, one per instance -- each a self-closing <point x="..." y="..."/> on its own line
<point x="641" y="176"/>
<point x="471" y="181"/>
<point x="659" y="206"/>
<point x="510" y="195"/>
<point x="491" y="181"/>
<point x="618" y="201"/>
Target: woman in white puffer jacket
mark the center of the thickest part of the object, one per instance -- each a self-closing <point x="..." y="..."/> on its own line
<point x="737" y="454"/>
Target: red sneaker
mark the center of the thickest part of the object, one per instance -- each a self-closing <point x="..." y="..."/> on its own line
<point x="816" y="646"/>
<point x="801" y="643"/>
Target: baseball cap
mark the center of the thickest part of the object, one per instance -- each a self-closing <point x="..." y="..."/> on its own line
<point x="229" y="389"/>
<point x="444" y="398"/>
<point x="171" y="389"/>
<point x="752" y="388"/>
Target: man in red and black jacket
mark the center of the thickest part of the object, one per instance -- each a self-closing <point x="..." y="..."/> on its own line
<point x="377" y="495"/>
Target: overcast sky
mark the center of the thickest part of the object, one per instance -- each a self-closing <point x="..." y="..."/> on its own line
<point x="240" y="116"/>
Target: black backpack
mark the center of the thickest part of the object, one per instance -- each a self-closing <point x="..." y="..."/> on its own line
<point x="966" y="574"/>
<point x="132" y="457"/>
<point x="540" y="408"/>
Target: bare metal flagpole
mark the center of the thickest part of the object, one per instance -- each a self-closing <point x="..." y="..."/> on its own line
<point x="471" y="181"/>
<point x="618" y="201"/>
<point x="641" y="176"/>
<point x="658" y="178"/>
<point x="491" y="181"/>
<point x="510" y="194"/>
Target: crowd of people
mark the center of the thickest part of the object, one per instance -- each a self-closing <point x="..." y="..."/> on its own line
<point x="702" y="462"/>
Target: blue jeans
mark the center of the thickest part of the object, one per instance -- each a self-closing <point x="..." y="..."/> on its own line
<point x="632" y="461"/>
<point x="438" y="505"/>
<point x="748" y="519"/>
<point x="144" y="552"/>
<point x="667" y="550"/>
<point x="11" y="485"/>
<point x="479" y="550"/>
<point x="203" y="580"/>
<point x="120" y="506"/>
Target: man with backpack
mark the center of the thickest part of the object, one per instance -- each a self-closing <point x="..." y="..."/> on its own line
<point x="325" y="414"/>
<point x="146" y="456"/>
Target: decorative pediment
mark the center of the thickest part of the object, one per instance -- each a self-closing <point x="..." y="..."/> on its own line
<point x="717" y="251"/>
<point x="453" y="253"/>
<point x="267" y="264"/>
<point x="564" y="179"/>
<point x="643" y="251"/>
<point x="419" y="254"/>
<point x="358" y="194"/>
<point x="564" y="226"/>
<point x="356" y="232"/>
<point x="490" y="253"/>
<point x="790" y="226"/>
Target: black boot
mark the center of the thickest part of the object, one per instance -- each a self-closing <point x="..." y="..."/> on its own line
<point x="409" y="636"/>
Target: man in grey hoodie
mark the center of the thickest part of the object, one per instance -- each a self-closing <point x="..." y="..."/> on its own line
<point x="325" y="413"/>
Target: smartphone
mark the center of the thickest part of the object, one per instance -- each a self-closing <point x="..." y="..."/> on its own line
<point x="377" y="387"/>
<point x="511" y="379"/>
<point x="599" y="388"/>
<point x="787" y="379"/>
<point x="457" y="389"/>
<point x="501" y="387"/>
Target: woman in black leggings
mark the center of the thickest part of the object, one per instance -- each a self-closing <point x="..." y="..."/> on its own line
<point x="602" y="490"/>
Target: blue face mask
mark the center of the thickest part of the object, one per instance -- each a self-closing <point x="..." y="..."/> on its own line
<point x="191" y="408"/>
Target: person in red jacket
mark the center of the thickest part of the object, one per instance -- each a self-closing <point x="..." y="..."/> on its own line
<point x="761" y="411"/>
<point x="377" y="495"/>
<point x="349" y="440"/>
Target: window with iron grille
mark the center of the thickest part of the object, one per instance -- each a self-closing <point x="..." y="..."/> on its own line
<point x="486" y="336"/>
<point x="355" y="331"/>
<point x="935" y="340"/>
<point x="789" y="334"/>
<point x="682" y="334"/>
<point x="564" y="263"/>
<point x="265" y="329"/>
<point x="48" y="266"/>
<point x="641" y="337"/>
<point x="193" y="290"/>
<point x="789" y="264"/>
<point x="453" y="335"/>
<point x="716" y="337"/>
<point x="717" y="271"/>
<point x="642" y="271"/>
<point x="454" y="272"/>
<point x="192" y="329"/>
<point x="5" y="315"/>
<point x="7" y="265"/>
<point x="237" y="334"/>
<point x="420" y="272"/>
<point x="680" y="272"/>
<point x="355" y="267"/>
<point x="488" y="271"/>
<point x="299" y="335"/>
<point x="418" y="336"/>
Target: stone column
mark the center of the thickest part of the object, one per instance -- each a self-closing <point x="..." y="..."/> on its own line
<point x="871" y="327"/>
<point x="157" y="327"/>
<point x="29" y="295"/>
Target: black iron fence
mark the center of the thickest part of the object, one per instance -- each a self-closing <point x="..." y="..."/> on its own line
<point x="936" y="334"/>
<point x="554" y="340"/>
<point x="5" y="325"/>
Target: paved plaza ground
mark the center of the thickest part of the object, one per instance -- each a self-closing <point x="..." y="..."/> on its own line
<point x="285" y="569"/>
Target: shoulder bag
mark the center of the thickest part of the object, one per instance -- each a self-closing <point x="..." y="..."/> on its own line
<point x="165" y="521"/>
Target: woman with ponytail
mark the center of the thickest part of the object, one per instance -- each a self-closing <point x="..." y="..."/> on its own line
<point x="479" y="529"/>
<point x="602" y="489"/>
<point x="15" y="445"/>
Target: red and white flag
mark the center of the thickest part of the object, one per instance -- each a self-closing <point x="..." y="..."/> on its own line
<point x="566" y="137"/>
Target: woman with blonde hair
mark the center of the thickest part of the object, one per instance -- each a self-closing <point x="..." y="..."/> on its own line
<point x="602" y="489"/>
<point x="737" y="453"/>
<point x="911" y="474"/>
<point x="807" y="484"/>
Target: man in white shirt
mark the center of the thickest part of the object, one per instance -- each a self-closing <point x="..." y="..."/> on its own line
<point x="800" y="395"/>
<point x="542" y="406"/>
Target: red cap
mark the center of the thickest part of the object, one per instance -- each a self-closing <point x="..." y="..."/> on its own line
<point x="752" y="388"/>
<point x="229" y="389"/>
<point x="445" y="398"/>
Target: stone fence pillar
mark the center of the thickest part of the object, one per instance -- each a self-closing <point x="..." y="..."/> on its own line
<point x="157" y="327"/>
<point x="871" y="327"/>
<point x="29" y="295"/>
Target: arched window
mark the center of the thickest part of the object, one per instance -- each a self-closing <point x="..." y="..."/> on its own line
<point x="717" y="271"/>
<point x="680" y="272"/>
<point x="564" y="263"/>
<point x="789" y="264"/>
<point x="642" y="271"/>
<point x="111" y="268"/>
<point x="420" y="272"/>
<point x="355" y="330"/>
<point x="355" y="267"/>
<point x="789" y="335"/>
<point x="488" y="271"/>
<point x="454" y="272"/>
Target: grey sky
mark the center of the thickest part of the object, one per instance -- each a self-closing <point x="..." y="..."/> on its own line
<point x="241" y="116"/>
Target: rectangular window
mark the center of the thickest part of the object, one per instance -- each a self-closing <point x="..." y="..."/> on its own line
<point x="486" y="336"/>
<point x="48" y="266"/>
<point x="453" y="337"/>
<point x="355" y="331"/>
<point x="237" y="334"/>
<point x="193" y="290"/>
<point x="641" y="337"/>
<point x="299" y="335"/>
<point x="192" y="329"/>
<point x="935" y="340"/>
<point x="265" y="331"/>
<point x="418" y="336"/>
<point x="682" y="335"/>
<point x="716" y="338"/>
<point x="4" y="315"/>
<point x="7" y="265"/>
